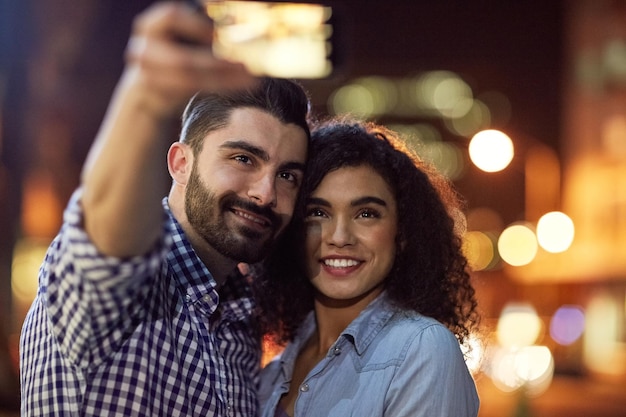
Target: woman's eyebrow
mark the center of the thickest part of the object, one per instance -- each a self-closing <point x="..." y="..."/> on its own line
<point x="359" y="201"/>
<point x="367" y="200"/>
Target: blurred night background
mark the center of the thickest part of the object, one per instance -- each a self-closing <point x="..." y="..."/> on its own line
<point x="550" y="74"/>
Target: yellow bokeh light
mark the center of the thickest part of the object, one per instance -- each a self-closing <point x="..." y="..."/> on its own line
<point x="478" y="249"/>
<point x="383" y="91"/>
<point x="517" y="245"/>
<point x="475" y="119"/>
<point x="530" y="368"/>
<point x="602" y="347"/>
<point x="491" y="150"/>
<point x="27" y="258"/>
<point x="354" y="99"/>
<point x="365" y="97"/>
<point x="555" y="231"/>
<point x="518" y="325"/>
<point x="444" y="92"/>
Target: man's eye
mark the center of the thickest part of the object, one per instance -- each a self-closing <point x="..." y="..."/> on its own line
<point x="244" y="159"/>
<point x="288" y="176"/>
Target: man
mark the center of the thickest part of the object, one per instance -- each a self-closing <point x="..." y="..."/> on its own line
<point x="141" y="310"/>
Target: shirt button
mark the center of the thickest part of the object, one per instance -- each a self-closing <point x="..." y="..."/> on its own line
<point x="207" y="298"/>
<point x="304" y="387"/>
<point x="337" y="351"/>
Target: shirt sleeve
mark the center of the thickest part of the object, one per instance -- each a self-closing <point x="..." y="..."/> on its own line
<point x="92" y="300"/>
<point x="433" y="380"/>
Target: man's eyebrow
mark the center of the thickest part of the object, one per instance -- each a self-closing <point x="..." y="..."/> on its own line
<point x="248" y="147"/>
<point x="292" y="165"/>
<point x="260" y="153"/>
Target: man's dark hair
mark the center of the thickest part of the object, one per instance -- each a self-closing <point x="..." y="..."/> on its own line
<point x="284" y="99"/>
<point x="429" y="274"/>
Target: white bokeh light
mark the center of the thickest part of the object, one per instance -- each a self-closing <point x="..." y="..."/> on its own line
<point x="491" y="150"/>
<point x="555" y="232"/>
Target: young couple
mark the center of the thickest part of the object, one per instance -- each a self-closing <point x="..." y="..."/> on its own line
<point x="141" y="308"/>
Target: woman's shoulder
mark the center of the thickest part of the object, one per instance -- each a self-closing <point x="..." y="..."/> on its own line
<point x="412" y="326"/>
<point x="408" y="319"/>
<point x="407" y="337"/>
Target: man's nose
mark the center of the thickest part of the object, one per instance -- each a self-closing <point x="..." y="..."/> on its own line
<point x="263" y="190"/>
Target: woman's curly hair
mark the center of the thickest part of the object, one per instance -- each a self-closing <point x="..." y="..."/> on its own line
<point x="430" y="273"/>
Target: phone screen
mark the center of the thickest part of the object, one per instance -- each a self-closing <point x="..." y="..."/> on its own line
<point x="285" y="40"/>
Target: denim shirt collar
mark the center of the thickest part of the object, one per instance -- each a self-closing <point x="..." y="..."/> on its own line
<point x="361" y="332"/>
<point x="369" y="323"/>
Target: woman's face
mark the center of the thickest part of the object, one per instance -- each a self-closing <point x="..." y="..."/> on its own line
<point x="351" y="226"/>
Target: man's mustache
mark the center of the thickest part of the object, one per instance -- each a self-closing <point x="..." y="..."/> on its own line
<point x="264" y="211"/>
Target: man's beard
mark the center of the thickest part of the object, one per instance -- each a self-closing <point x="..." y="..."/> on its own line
<point x="205" y="212"/>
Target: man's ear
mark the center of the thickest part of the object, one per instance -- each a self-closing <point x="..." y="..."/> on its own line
<point x="179" y="162"/>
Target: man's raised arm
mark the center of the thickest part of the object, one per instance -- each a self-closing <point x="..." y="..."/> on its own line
<point x="168" y="59"/>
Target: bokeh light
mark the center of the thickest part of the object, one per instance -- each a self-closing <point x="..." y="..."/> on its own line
<point x="365" y="97"/>
<point x="491" y="150"/>
<point x="476" y="118"/>
<point x="530" y="368"/>
<point x="555" y="231"/>
<point x="567" y="324"/>
<point x="518" y="245"/>
<point x="602" y="337"/>
<point x="479" y="249"/>
<point x="27" y="258"/>
<point x="518" y="325"/>
<point x="353" y="99"/>
<point x="444" y="92"/>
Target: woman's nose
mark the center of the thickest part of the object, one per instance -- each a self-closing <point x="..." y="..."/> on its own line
<point x="339" y="233"/>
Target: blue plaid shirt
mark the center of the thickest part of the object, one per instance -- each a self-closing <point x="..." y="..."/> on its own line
<point x="147" y="336"/>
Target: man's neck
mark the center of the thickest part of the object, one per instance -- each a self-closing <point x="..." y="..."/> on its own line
<point x="219" y="265"/>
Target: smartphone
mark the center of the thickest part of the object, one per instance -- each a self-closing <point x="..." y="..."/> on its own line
<point x="277" y="39"/>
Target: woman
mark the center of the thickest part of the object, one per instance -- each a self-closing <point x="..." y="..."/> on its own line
<point x="370" y="287"/>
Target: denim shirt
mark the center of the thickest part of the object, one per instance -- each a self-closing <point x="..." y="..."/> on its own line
<point x="387" y="362"/>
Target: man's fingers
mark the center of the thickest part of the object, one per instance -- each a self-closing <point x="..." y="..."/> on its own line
<point x="185" y="67"/>
<point x="169" y="57"/>
<point x="177" y="21"/>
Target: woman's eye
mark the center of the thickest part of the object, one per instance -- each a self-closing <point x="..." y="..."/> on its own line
<point x="314" y="212"/>
<point x="369" y="213"/>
